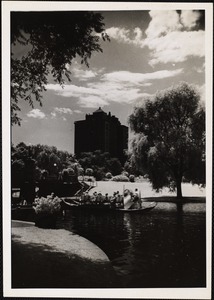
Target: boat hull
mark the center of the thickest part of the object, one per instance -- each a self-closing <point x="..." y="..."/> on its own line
<point x="146" y="206"/>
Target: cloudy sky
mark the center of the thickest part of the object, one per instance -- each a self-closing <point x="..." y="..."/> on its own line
<point x="148" y="51"/>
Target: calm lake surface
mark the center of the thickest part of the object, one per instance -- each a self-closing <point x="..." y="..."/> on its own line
<point x="162" y="248"/>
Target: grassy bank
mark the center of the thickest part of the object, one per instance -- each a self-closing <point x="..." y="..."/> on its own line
<point x="189" y="190"/>
<point x="43" y="258"/>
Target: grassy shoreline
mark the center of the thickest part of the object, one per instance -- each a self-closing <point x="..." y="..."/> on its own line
<point x="146" y="190"/>
<point x="57" y="258"/>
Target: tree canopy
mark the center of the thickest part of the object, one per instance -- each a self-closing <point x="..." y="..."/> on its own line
<point x="30" y="161"/>
<point x="51" y="41"/>
<point x="33" y="162"/>
<point x="169" y="142"/>
<point x="101" y="163"/>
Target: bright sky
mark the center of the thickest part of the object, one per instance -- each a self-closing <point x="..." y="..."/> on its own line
<point x="149" y="51"/>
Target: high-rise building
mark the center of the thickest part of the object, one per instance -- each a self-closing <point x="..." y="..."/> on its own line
<point x="101" y="131"/>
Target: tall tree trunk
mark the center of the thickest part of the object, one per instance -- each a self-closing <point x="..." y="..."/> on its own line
<point x="179" y="190"/>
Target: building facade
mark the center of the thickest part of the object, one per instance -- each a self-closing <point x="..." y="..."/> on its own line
<point x="101" y="131"/>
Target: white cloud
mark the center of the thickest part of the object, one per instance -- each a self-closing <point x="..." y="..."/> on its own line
<point x="83" y="75"/>
<point x="170" y="36"/>
<point x="68" y="90"/>
<point x="92" y="101"/>
<point x="120" y="86"/>
<point x="140" y="78"/>
<point x="117" y="91"/>
<point x="126" y="36"/>
<point x="177" y="46"/>
<point x="36" y="113"/>
<point x="98" y="93"/>
<point x="53" y="115"/>
<point x="200" y="69"/>
<point x="77" y="111"/>
<point x="78" y="71"/>
<point x="120" y="34"/>
<point x="162" y="22"/>
<point x="189" y="18"/>
<point x="63" y="110"/>
<point x="202" y="92"/>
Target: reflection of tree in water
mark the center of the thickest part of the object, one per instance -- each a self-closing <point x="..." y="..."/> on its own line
<point x="190" y="245"/>
<point x="159" y="249"/>
<point x="163" y="250"/>
<point x="137" y="258"/>
<point x="132" y="229"/>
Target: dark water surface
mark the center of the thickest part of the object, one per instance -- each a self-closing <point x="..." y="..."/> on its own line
<point x="162" y="248"/>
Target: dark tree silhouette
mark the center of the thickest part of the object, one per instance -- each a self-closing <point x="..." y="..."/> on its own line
<point x="169" y="144"/>
<point x="101" y="163"/>
<point x="50" y="40"/>
<point x="30" y="161"/>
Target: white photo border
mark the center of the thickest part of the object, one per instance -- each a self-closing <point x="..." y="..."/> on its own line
<point x="140" y="293"/>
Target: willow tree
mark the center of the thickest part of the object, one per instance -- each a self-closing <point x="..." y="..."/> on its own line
<point x="169" y="141"/>
<point x="48" y="41"/>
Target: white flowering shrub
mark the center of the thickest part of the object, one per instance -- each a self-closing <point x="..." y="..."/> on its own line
<point x="108" y="175"/>
<point x="131" y="178"/>
<point x="47" y="206"/>
<point x="120" y="177"/>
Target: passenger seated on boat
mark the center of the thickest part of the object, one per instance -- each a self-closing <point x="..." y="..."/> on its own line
<point x="113" y="200"/>
<point x="94" y="198"/>
<point x="119" y="200"/>
<point x="106" y="199"/>
<point x="138" y="195"/>
<point x="102" y="199"/>
<point x="136" y="200"/>
<point x="87" y="198"/>
<point x="99" y="198"/>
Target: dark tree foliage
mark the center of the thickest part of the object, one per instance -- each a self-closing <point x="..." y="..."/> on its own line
<point x="51" y="41"/>
<point x="30" y="162"/>
<point x="114" y="166"/>
<point x="100" y="163"/>
<point x="169" y="144"/>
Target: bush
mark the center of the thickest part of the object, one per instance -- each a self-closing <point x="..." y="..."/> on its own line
<point x="114" y="166"/>
<point x="131" y="178"/>
<point x="100" y="174"/>
<point x="89" y="172"/>
<point x="125" y="173"/>
<point x="71" y="171"/>
<point x="80" y="171"/>
<point x="47" y="206"/>
<point x="108" y="175"/>
<point x="121" y="177"/>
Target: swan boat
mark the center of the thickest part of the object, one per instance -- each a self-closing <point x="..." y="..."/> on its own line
<point x="68" y="204"/>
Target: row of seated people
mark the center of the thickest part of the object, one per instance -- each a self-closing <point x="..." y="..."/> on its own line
<point x="117" y="200"/>
<point x="98" y="199"/>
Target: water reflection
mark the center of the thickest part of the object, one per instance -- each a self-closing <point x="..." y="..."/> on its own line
<point x="164" y="248"/>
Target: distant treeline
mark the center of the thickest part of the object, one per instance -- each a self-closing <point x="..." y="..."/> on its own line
<point x="31" y="163"/>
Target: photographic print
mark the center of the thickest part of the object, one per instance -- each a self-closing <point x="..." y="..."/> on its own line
<point x="107" y="149"/>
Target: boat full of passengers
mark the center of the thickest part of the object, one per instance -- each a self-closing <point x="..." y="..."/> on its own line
<point x="128" y="201"/>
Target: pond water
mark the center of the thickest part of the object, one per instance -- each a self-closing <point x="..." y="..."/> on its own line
<point x="162" y="248"/>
